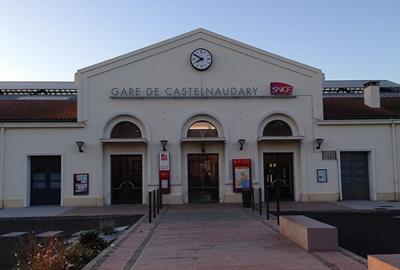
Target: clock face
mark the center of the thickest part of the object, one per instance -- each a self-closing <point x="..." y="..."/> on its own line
<point x="201" y="59"/>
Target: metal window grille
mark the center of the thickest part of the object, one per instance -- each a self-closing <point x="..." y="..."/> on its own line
<point x="328" y="155"/>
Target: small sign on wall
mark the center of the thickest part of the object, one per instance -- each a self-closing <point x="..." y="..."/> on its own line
<point x="322" y="176"/>
<point x="81" y="184"/>
<point x="241" y="174"/>
<point x="164" y="161"/>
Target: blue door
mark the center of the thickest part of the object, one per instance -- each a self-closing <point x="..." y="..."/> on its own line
<point x="354" y="172"/>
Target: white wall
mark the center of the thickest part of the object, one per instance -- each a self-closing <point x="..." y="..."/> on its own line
<point x="167" y="65"/>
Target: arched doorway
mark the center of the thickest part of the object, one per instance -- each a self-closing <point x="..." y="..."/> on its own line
<point x="126" y="169"/>
<point x="203" y="176"/>
<point x="203" y="150"/>
<point x="124" y="153"/>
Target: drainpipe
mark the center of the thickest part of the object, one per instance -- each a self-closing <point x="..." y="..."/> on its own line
<point x="2" y="163"/>
<point x="394" y="158"/>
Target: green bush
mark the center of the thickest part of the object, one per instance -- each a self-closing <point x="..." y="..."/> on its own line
<point x="92" y="240"/>
<point x="107" y="226"/>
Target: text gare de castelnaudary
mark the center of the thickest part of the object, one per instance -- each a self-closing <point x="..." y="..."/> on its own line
<point x="183" y="92"/>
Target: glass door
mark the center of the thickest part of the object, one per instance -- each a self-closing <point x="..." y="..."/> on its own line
<point x="203" y="178"/>
<point x="283" y="164"/>
<point x="126" y="179"/>
<point x="45" y="180"/>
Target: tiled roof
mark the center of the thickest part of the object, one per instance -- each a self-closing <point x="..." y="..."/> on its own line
<point x="339" y="108"/>
<point x="29" y="110"/>
<point x="357" y="83"/>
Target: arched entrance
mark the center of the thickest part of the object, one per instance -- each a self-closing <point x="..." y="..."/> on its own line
<point x="124" y="152"/>
<point x="279" y="147"/>
<point x="202" y="152"/>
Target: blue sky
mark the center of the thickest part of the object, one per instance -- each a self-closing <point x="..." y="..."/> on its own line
<point x="50" y="40"/>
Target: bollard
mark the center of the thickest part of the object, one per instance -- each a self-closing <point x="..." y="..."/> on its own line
<point x="259" y="202"/>
<point x="161" y="206"/>
<point x="278" y="191"/>
<point x="154" y="204"/>
<point x="252" y="199"/>
<point x="158" y="201"/>
<point x="149" y="206"/>
<point x="266" y="196"/>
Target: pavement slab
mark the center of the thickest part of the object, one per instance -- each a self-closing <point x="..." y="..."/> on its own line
<point x="216" y="236"/>
<point x="49" y="234"/>
<point x="13" y="234"/>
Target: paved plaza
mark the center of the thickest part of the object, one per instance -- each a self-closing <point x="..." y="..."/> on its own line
<point x="214" y="236"/>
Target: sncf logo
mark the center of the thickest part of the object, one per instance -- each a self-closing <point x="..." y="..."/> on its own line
<point x="281" y="89"/>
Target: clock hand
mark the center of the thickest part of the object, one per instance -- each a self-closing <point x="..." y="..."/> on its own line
<point x="201" y="59"/>
<point x="198" y="56"/>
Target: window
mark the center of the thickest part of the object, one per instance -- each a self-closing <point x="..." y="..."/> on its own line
<point x="328" y="155"/>
<point x="125" y="130"/>
<point x="202" y="129"/>
<point x="277" y="128"/>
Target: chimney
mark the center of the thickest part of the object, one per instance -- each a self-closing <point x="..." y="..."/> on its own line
<point x="372" y="96"/>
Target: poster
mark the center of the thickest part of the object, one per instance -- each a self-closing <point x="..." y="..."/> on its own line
<point x="322" y="176"/>
<point x="81" y="184"/>
<point x="241" y="174"/>
<point x="242" y="177"/>
<point x="164" y="161"/>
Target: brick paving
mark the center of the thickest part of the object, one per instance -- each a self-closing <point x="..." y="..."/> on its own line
<point x="214" y="236"/>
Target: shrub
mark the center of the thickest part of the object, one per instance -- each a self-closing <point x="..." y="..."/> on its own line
<point x="92" y="240"/>
<point x="107" y="226"/>
<point x="49" y="254"/>
<point x="53" y="254"/>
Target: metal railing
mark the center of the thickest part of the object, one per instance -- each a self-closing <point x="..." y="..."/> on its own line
<point x="257" y="202"/>
<point x="267" y="201"/>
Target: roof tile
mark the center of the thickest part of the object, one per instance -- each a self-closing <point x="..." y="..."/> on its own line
<point x="38" y="110"/>
<point x="339" y="108"/>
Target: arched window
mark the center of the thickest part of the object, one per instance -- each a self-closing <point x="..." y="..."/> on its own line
<point x="202" y="129"/>
<point x="277" y="128"/>
<point x="125" y="129"/>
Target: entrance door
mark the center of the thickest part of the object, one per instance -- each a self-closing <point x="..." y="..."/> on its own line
<point x="45" y="180"/>
<point x="126" y="179"/>
<point x="203" y="178"/>
<point x="354" y="172"/>
<point x="284" y="174"/>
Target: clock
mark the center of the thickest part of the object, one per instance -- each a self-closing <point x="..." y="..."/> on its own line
<point x="201" y="59"/>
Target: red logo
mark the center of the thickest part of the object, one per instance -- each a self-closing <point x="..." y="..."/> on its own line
<point x="281" y="89"/>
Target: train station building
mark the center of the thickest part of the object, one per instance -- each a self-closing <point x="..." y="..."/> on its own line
<point x="200" y="116"/>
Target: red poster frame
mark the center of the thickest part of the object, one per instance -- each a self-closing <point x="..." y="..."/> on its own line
<point x="243" y="164"/>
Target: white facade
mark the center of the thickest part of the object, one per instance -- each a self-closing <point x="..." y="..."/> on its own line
<point x="166" y="65"/>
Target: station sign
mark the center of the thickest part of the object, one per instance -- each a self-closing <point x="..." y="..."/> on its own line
<point x="281" y="89"/>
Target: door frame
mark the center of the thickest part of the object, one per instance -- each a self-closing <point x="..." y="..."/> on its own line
<point x="27" y="197"/>
<point x="141" y="154"/>
<point x="296" y="196"/>
<point x="371" y="171"/>
<point x="219" y="173"/>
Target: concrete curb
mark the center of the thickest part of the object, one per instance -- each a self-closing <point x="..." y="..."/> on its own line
<point x="99" y="259"/>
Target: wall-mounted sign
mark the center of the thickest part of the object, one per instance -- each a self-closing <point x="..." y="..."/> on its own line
<point x="241" y="174"/>
<point x="81" y="184"/>
<point x="164" y="161"/>
<point x="165" y="173"/>
<point x="184" y="92"/>
<point x="281" y="89"/>
<point x="322" y="176"/>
